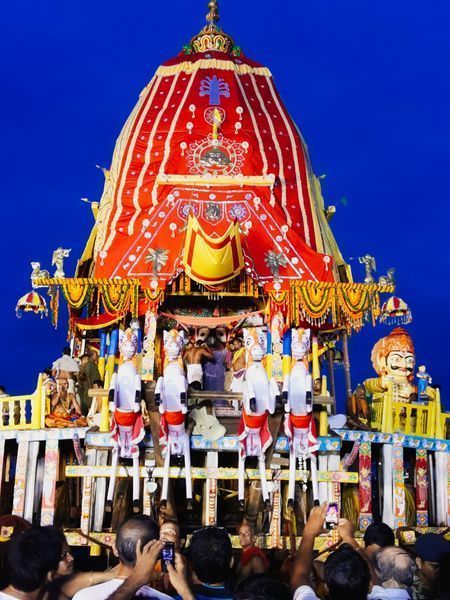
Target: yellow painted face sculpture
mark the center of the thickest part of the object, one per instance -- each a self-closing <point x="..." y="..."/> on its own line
<point x="393" y="356"/>
<point x="400" y="364"/>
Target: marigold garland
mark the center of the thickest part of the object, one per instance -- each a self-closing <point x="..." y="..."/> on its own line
<point x="116" y="297"/>
<point x="76" y="294"/>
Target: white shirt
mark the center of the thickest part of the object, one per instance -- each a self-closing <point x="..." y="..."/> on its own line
<point x="4" y="596"/>
<point x="104" y="590"/>
<point x="381" y="593"/>
<point x="305" y="592"/>
<point x="66" y="363"/>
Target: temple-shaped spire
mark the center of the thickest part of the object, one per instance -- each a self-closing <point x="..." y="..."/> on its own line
<point x="211" y="37"/>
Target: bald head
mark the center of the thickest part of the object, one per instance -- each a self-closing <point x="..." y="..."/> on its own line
<point x="139" y="527"/>
<point x="395" y="568"/>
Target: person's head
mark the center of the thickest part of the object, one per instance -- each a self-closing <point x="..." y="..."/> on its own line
<point x="63" y="383"/>
<point x="246" y="535"/>
<point x="36" y="556"/>
<point x="46" y="374"/>
<point x="138" y="527"/>
<point x="376" y="537"/>
<point x="170" y="532"/>
<point x="394" y="568"/>
<point x="431" y="550"/>
<point x="11" y="525"/>
<point x="97" y="384"/>
<point x="261" y="587"/>
<point x="66" y="351"/>
<point x="347" y="575"/>
<point x="210" y="555"/>
<point x="2" y="390"/>
<point x="317" y="386"/>
<point x="84" y="359"/>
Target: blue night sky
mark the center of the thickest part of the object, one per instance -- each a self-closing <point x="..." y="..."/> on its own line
<point x="367" y="83"/>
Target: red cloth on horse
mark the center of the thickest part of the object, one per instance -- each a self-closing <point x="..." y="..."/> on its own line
<point x="254" y="422"/>
<point x="302" y="422"/>
<point x="169" y="418"/>
<point x="128" y="419"/>
<point x="250" y="553"/>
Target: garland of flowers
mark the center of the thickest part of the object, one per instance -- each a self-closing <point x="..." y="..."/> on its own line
<point x="279" y="302"/>
<point x="75" y="293"/>
<point x="154" y="299"/>
<point x="348" y="303"/>
<point x="116" y="297"/>
<point x="315" y="303"/>
<point x="354" y="302"/>
<point x="53" y="292"/>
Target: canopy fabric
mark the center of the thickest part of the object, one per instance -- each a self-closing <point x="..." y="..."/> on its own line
<point x="211" y="322"/>
<point x="211" y="136"/>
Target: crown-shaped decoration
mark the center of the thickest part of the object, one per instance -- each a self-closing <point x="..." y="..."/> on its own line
<point x="212" y="37"/>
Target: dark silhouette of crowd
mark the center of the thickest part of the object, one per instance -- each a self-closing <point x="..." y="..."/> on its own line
<point x="40" y="565"/>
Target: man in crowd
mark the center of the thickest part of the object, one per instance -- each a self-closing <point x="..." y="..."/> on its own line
<point x="376" y="537"/>
<point x="210" y="559"/>
<point x="431" y="550"/>
<point x="194" y="358"/>
<point x="253" y="560"/>
<point x="87" y="375"/>
<point x="137" y="531"/>
<point x="394" y="569"/>
<point x="238" y="366"/>
<point x="347" y="574"/>
<point x="65" y="366"/>
<point x="32" y="563"/>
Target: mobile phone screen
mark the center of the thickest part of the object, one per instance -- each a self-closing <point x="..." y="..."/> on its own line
<point x="331" y="519"/>
<point x="167" y="555"/>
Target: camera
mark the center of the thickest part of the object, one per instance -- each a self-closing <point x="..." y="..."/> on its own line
<point x="167" y="555"/>
<point x="331" y="518"/>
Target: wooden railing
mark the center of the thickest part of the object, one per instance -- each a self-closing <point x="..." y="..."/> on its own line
<point x="23" y="412"/>
<point x="411" y="418"/>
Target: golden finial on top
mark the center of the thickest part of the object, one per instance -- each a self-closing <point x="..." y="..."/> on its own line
<point x="213" y="15"/>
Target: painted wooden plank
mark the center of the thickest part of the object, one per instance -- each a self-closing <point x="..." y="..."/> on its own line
<point x="51" y="463"/>
<point x="365" y="486"/>
<point x="87" y="490"/>
<point x="20" y="479"/>
<point x="100" y="492"/>
<point x="204" y="473"/>
<point x="33" y="452"/>
<point x="398" y="473"/>
<point x="421" y="476"/>
<point x="210" y="491"/>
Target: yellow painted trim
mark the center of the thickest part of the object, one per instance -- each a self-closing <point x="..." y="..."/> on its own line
<point x="215" y="180"/>
<point x="223" y="65"/>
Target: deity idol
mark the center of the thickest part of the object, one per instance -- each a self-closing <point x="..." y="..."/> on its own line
<point x="394" y="360"/>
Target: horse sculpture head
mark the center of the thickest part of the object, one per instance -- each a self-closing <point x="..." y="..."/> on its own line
<point x="300" y="343"/>
<point x="173" y="343"/>
<point x="128" y="344"/>
<point x="255" y="343"/>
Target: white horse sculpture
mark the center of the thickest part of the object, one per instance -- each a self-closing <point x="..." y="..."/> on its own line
<point x="125" y="404"/>
<point x="299" y="423"/>
<point x="171" y="396"/>
<point x="259" y="399"/>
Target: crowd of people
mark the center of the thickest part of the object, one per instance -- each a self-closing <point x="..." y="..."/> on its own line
<point x="40" y="566"/>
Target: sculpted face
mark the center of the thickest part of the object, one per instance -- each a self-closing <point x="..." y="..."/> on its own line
<point x="400" y="364"/>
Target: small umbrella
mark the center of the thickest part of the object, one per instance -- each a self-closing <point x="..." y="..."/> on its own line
<point x="31" y="302"/>
<point x="395" y="311"/>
